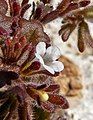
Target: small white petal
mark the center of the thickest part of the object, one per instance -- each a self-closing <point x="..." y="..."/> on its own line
<point x="41" y="48"/>
<point x="57" y="66"/>
<point x="55" y="53"/>
<point x="39" y="58"/>
<point x="49" y="50"/>
<point x="48" y="68"/>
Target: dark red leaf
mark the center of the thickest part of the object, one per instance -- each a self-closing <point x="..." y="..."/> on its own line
<point x="38" y="13"/>
<point x="71" y="7"/>
<point x="14" y="7"/>
<point x="54" y="88"/>
<point x="48" y="106"/>
<point x="81" y="43"/>
<point x="20" y="92"/>
<point x="3" y="32"/>
<point x="41" y="11"/>
<point x="40" y="87"/>
<point x="50" y="16"/>
<point x="63" y="5"/>
<point x="24" y="2"/>
<point x="31" y="93"/>
<point x="24" y="9"/>
<point x="84" y="3"/>
<point x="84" y="36"/>
<point x="58" y="100"/>
<point x="33" y="67"/>
<point x="46" y="73"/>
<point x="23" y="112"/>
<point x="66" y="31"/>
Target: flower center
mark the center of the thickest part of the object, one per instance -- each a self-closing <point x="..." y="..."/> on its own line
<point x="47" y="59"/>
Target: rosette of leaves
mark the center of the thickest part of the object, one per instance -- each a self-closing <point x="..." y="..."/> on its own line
<point x="18" y="68"/>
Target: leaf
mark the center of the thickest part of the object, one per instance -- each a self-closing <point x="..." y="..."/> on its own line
<point x="70" y="8"/>
<point x="81" y="43"/>
<point x="3" y="32"/>
<point x="66" y="31"/>
<point x="22" y="112"/>
<point x="54" y="88"/>
<point x="24" y="9"/>
<point x="87" y="13"/>
<point x="48" y="106"/>
<point x="34" y="31"/>
<point x="42" y="11"/>
<point x="5" y="23"/>
<point x="14" y="7"/>
<point x="3" y="7"/>
<point x="12" y="109"/>
<point x="84" y="36"/>
<point x="84" y="3"/>
<point x="32" y="93"/>
<point x="31" y="68"/>
<point x="58" y="100"/>
<point x="50" y="16"/>
<point x="24" y="2"/>
<point x="63" y="5"/>
<point x="5" y="107"/>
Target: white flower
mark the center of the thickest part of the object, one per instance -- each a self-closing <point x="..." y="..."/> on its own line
<point x="47" y="57"/>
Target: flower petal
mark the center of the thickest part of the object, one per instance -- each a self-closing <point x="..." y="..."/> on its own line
<point x="39" y="58"/>
<point x="41" y="48"/>
<point x="48" y="68"/>
<point x="57" y="66"/>
<point x="49" y="50"/>
<point x="54" y="52"/>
